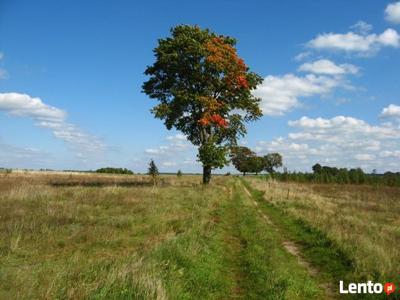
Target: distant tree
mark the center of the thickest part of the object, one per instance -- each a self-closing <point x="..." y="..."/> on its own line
<point x="201" y="82"/>
<point x="256" y="164"/>
<point x="153" y="171"/>
<point x="179" y="173"/>
<point x="272" y="161"/>
<point x="357" y="176"/>
<point x="240" y="157"/>
<point x="317" y="168"/>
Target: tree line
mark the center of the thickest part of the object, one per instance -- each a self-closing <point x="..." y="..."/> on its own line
<point x="247" y="161"/>
<point x="110" y="170"/>
<point x="326" y="174"/>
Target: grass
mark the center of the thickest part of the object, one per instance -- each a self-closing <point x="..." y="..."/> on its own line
<point x="178" y="240"/>
<point x="88" y="242"/>
<point x="315" y="245"/>
<point x="97" y="236"/>
<point x="350" y="232"/>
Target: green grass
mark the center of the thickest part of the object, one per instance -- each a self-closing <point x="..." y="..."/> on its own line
<point x="316" y="246"/>
<point x="348" y="215"/>
<point x="267" y="269"/>
<point x="332" y="257"/>
<point x="179" y="240"/>
<point x="238" y="257"/>
<point x="120" y="237"/>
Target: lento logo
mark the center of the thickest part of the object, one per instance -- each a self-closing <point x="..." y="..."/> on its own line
<point x="367" y="288"/>
<point x="389" y="288"/>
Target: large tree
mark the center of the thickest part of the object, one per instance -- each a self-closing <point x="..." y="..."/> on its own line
<point x="204" y="89"/>
<point x="241" y="158"/>
<point x="272" y="161"/>
<point x="257" y="164"/>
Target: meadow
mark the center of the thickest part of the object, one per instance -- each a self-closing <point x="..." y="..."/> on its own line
<point x="99" y="236"/>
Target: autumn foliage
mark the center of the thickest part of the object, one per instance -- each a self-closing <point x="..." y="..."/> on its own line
<point x="223" y="57"/>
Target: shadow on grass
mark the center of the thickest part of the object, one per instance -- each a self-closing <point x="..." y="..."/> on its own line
<point x="102" y="184"/>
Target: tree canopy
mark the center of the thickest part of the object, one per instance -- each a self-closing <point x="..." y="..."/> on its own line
<point x="246" y="161"/>
<point x="272" y="161"/>
<point x="204" y="90"/>
<point x="240" y="157"/>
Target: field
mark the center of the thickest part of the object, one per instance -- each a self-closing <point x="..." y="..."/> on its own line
<point x="90" y="236"/>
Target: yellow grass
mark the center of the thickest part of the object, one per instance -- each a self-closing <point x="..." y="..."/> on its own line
<point x="363" y="220"/>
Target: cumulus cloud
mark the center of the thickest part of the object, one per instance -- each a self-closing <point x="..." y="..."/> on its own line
<point x="176" y="153"/>
<point x="341" y="125"/>
<point x="352" y="42"/>
<point x="394" y="154"/>
<point x="327" y="67"/>
<point x="392" y="111"/>
<point x="84" y="146"/>
<point x="392" y="13"/>
<point x="281" y="94"/>
<point x="340" y="141"/>
<point x="25" y="106"/>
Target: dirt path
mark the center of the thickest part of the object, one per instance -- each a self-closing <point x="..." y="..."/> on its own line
<point x="233" y="249"/>
<point x="293" y="249"/>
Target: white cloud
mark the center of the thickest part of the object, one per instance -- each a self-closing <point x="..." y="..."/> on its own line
<point x="361" y="43"/>
<point x="392" y="12"/>
<point x="339" y="141"/>
<point x="343" y="125"/>
<point x="303" y="55"/>
<point x="25" y="106"/>
<point x="1" y="55"/>
<point x="395" y="154"/>
<point x="168" y="164"/>
<point x="392" y="111"/>
<point x="327" y="67"/>
<point x="280" y="94"/>
<point x="177" y="153"/>
<point x="83" y="145"/>
<point x="364" y="157"/>
<point x="175" y="146"/>
<point x="176" y="137"/>
<point x="362" y="27"/>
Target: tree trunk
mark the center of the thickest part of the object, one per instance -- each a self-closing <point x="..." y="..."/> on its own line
<point x="206" y="174"/>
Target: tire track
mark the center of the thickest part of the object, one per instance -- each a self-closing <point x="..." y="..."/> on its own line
<point x="294" y="250"/>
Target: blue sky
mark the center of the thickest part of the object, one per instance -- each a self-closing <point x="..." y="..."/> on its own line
<point x="71" y="75"/>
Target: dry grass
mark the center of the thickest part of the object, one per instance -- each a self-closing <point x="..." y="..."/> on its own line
<point x="363" y="220"/>
<point x="91" y="236"/>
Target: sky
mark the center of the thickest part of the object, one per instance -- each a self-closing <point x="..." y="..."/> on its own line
<point x="71" y="74"/>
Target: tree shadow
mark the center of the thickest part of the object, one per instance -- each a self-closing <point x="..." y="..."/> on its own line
<point x="100" y="183"/>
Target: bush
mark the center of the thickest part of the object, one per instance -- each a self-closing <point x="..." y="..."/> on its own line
<point x="109" y="170"/>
